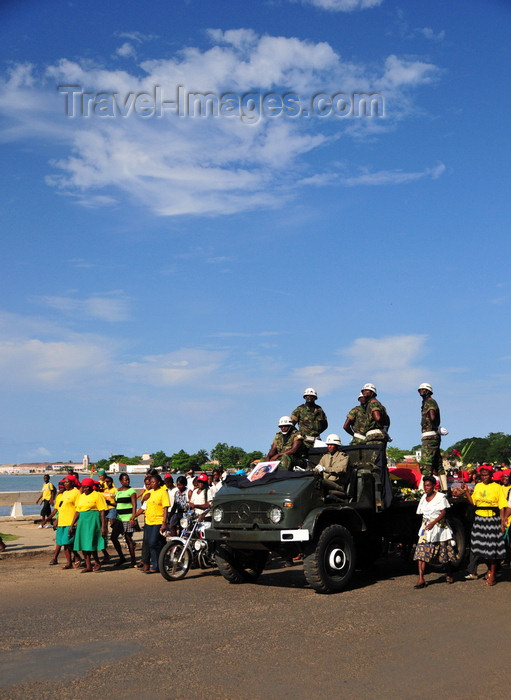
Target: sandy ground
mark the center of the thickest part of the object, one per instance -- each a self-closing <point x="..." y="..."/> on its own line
<point x="123" y="634"/>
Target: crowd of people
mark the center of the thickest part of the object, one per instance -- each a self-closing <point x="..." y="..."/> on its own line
<point x="489" y="491"/>
<point x="89" y="513"/>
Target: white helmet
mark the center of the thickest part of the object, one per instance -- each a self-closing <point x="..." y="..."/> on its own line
<point x="285" y="420"/>
<point x="310" y="392"/>
<point x="425" y="386"/>
<point x="333" y="439"/>
<point x="369" y="387"/>
<point x="361" y="396"/>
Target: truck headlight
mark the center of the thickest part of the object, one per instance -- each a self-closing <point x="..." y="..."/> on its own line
<point x="275" y="514"/>
<point x="218" y="514"/>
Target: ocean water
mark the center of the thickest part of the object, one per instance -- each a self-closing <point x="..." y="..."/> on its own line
<point x="34" y="482"/>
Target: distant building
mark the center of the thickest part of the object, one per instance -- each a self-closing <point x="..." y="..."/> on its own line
<point x="117" y="467"/>
<point x="34" y="468"/>
<point x="8" y="468"/>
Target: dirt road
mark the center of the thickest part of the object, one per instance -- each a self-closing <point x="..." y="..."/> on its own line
<point x="122" y="634"/>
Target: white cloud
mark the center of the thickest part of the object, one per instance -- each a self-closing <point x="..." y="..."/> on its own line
<point x="343" y="5"/>
<point x="110" y="307"/>
<point x="50" y="364"/>
<point x="392" y="177"/>
<point x="182" y="165"/>
<point x="42" y="452"/>
<point x="390" y="363"/>
<point x="127" y="50"/>
<point x="40" y="357"/>
<point x="400" y="72"/>
<point x="139" y="37"/>
<point x="188" y="366"/>
<point x="430" y="34"/>
<point x="232" y="334"/>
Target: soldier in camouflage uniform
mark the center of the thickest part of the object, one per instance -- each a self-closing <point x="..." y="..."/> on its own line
<point x="431" y="462"/>
<point x="356" y="422"/>
<point x="378" y="421"/>
<point x="310" y="417"/>
<point x="287" y="446"/>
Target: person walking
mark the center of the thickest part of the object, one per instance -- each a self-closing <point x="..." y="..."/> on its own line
<point x="435" y="535"/>
<point x="143" y="495"/>
<point x="155" y="518"/>
<point x="126" y="507"/>
<point x="65" y="506"/>
<point x="90" y="524"/>
<point x="487" y="536"/>
<point x="47" y="499"/>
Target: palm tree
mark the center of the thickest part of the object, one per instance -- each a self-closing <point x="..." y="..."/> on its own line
<point x="202" y="456"/>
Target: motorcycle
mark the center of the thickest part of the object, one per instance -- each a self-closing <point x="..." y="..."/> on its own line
<point x="190" y="549"/>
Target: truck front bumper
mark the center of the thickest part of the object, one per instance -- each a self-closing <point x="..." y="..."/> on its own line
<point x="251" y="537"/>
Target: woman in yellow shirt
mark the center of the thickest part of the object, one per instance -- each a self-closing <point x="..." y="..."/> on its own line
<point x="90" y="523"/>
<point x="66" y="509"/>
<point x="109" y="492"/>
<point x="156" y="520"/>
<point x="487" y="540"/>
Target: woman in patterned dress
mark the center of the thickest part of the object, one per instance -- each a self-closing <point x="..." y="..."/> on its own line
<point x="435" y="535"/>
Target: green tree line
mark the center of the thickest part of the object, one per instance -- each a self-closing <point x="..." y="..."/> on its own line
<point x="228" y="456"/>
<point x="495" y="447"/>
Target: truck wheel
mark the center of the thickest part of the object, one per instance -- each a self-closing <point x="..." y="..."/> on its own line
<point x="369" y="549"/>
<point x="460" y="547"/>
<point x="330" y="565"/>
<point x="240" y="566"/>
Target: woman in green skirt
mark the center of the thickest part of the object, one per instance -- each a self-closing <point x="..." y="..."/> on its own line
<point x="90" y="525"/>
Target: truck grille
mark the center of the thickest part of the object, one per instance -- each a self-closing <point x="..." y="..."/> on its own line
<point x="246" y="513"/>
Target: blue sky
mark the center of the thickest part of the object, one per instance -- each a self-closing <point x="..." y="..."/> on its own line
<point x="174" y="281"/>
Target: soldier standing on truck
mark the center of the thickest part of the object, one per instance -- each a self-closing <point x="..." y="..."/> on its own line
<point x="287" y="446"/>
<point x="431" y="461"/>
<point x="310" y="417"/>
<point x="378" y="421"/>
<point x="355" y="423"/>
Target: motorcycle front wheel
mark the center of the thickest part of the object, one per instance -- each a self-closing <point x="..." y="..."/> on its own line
<point x="174" y="561"/>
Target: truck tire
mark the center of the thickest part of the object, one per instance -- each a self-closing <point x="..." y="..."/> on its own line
<point x="240" y="566"/>
<point x="330" y="565"/>
<point x="460" y="537"/>
<point x="369" y="549"/>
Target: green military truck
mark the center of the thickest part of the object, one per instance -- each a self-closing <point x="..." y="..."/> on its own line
<point x="292" y="513"/>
